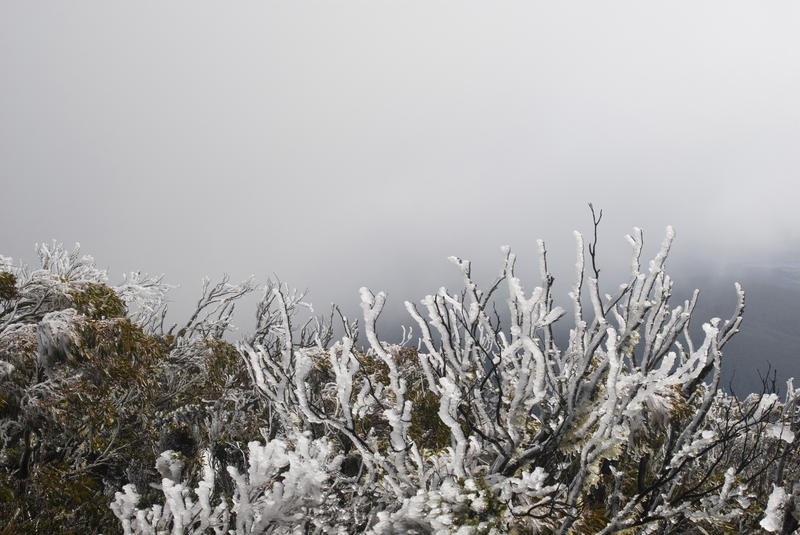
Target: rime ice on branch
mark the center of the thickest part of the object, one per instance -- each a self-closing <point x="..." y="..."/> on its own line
<point x="490" y="427"/>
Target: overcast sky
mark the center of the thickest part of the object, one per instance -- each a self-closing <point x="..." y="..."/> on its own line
<point x="340" y="144"/>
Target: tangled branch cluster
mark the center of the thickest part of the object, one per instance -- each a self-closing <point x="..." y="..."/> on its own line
<point x="490" y="425"/>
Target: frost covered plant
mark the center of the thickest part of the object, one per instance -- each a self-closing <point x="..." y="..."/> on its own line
<point x="285" y="487"/>
<point x="463" y="507"/>
<point x="490" y="424"/>
<point x="92" y="389"/>
<point x="622" y="429"/>
<point x="69" y="279"/>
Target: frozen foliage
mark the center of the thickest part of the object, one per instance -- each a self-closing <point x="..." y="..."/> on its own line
<point x="145" y="296"/>
<point x="441" y="511"/>
<point x="773" y="516"/>
<point x="92" y="388"/>
<point x="62" y="273"/>
<point x="491" y="426"/>
<point x="286" y="486"/>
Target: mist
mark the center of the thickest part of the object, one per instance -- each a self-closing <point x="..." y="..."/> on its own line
<point x="345" y="144"/>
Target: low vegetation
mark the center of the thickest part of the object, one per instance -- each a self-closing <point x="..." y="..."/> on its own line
<point x="111" y="422"/>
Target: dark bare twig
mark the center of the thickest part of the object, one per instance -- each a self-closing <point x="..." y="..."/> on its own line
<point x="593" y="244"/>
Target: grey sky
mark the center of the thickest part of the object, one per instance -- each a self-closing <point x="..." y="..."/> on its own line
<point x="341" y="144"/>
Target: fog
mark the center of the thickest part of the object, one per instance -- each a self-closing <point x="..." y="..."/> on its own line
<point x="343" y="144"/>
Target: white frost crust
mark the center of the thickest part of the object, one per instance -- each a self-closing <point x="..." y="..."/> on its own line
<point x="775" y="511"/>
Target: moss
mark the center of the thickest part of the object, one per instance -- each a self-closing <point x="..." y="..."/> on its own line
<point x="8" y="285"/>
<point x="98" y="301"/>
